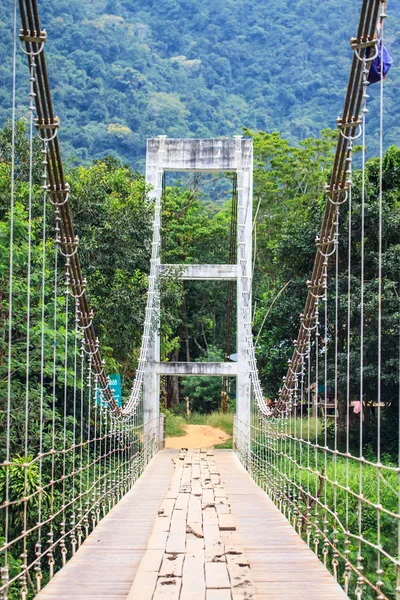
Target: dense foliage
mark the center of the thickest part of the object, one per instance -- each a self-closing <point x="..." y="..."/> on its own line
<point x="196" y="221"/>
<point x="113" y="219"/>
<point x="122" y="71"/>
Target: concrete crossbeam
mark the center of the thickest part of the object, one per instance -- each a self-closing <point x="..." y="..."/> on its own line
<point x="201" y="272"/>
<point x="196" y="155"/>
<point x="197" y="368"/>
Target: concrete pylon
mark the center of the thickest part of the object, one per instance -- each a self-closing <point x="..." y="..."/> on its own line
<point x="212" y="155"/>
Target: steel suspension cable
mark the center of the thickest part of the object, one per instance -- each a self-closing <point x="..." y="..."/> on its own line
<point x="48" y="125"/>
<point x="337" y="189"/>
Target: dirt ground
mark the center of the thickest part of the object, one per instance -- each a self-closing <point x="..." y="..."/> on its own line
<point x="198" y="436"/>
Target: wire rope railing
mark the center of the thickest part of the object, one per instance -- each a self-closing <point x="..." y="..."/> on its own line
<point x="70" y="451"/>
<point x="320" y="450"/>
<point x="327" y="449"/>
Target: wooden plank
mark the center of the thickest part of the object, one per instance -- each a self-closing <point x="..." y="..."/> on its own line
<point x="178" y="523"/>
<point x="151" y="561"/>
<point x="167" y="587"/>
<point x="208" y="497"/>
<point x="246" y="594"/>
<point x="214" y="548"/>
<point x="195" y="514"/>
<point x="172" y="565"/>
<point x="239" y="572"/>
<point x="162" y="524"/>
<point x="195" y="546"/>
<point x="196" y="529"/>
<point x="219" y="492"/>
<point x="196" y="471"/>
<point x="222" y="508"/>
<point x="157" y="540"/>
<point x="217" y="575"/>
<point x="166" y="508"/>
<point x="106" y="564"/>
<point x="182" y="502"/>
<point x="197" y="489"/>
<point x="219" y="595"/>
<point x="193" y="577"/>
<point x="282" y="565"/>
<point x="176" y="544"/>
<point x="210" y="516"/>
<point x="226" y="522"/>
<point x="143" y="587"/>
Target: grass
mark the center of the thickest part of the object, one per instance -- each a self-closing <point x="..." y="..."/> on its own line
<point x="308" y="428"/>
<point x="302" y="465"/>
<point x="227" y="445"/>
<point x="215" y="419"/>
<point x="174" y="424"/>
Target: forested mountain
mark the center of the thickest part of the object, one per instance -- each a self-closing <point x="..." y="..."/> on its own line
<point x="124" y="70"/>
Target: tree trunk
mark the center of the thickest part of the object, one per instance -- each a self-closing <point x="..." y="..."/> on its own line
<point x="164" y="392"/>
<point x="173" y="385"/>
<point x="185" y="329"/>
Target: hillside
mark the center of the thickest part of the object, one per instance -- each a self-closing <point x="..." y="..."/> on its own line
<point x="125" y="70"/>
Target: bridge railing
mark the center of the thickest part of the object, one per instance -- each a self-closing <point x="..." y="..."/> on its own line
<point x="69" y="451"/>
<point x="327" y="448"/>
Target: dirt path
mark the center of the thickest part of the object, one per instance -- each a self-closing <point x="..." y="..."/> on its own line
<point x="198" y="436"/>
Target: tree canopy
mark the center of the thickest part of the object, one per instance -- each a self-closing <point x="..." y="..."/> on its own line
<point x="122" y="71"/>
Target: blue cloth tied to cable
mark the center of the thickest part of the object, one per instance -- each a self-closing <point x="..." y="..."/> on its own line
<point x="375" y="71"/>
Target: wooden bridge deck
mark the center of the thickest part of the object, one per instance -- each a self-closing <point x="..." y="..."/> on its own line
<point x="197" y="530"/>
<point x="282" y="565"/>
<point x="105" y="565"/>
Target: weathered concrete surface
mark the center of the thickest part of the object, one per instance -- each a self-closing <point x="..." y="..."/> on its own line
<point x="202" y="272"/>
<point x="196" y="155"/>
<point x="193" y="368"/>
<point x="232" y="155"/>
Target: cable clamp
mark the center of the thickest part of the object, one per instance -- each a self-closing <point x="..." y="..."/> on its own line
<point x="33" y="36"/>
<point x="87" y="317"/>
<point x="46" y="125"/>
<point x="326" y="243"/>
<point x="67" y="243"/>
<point x="367" y="59"/>
<point x="338" y="190"/>
<point x="356" y="44"/>
<point x="79" y="284"/>
<point x="52" y="190"/>
<point x="89" y="352"/>
<point x="314" y="289"/>
<point x="348" y="124"/>
<point x="343" y="126"/>
<point x="331" y="193"/>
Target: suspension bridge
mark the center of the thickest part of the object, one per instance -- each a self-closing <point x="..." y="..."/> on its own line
<point x="92" y="504"/>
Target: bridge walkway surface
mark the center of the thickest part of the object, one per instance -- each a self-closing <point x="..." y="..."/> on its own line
<point x="195" y="526"/>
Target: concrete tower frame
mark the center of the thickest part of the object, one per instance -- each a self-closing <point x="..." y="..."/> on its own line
<point x="212" y="155"/>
